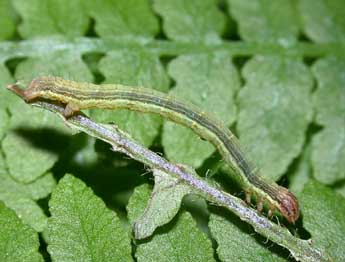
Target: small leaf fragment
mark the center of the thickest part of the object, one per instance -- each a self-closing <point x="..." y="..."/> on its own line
<point x="123" y="18"/>
<point x="328" y="154"/>
<point x="20" y="197"/>
<point x="328" y="146"/>
<point x="163" y="204"/>
<point x="18" y="242"/>
<point x="329" y="97"/>
<point x="81" y="227"/>
<point x="51" y="18"/>
<point x="268" y="22"/>
<point x="191" y="20"/>
<point x="323" y="20"/>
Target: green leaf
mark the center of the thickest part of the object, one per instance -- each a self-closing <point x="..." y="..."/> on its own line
<point x="183" y="242"/>
<point x="67" y="64"/>
<point x="209" y="81"/>
<point x="330" y="79"/>
<point x="21" y="154"/>
<point x="323" y="216"/>
<point x="237" y="241"/>
<point x="135" y="68"/>
<point x="7" y="26"/>
<point x="38" y="189"/>
<point x="81" y="228"/>
<point x="266" y="21"/>
<point x="191" y="20"/>
<point x="41" y="18"/>
<point x="28" y="210"/>
<point x="163" y="205"/>
<point x="18" y="242"/>
<point x="41" y="187"/>
<point x="323" y="20"/>
<point x="328" y="155"/>
<point x="328" y="148"/>
<point x="275" y="110"/>
<point x="20" y="197"/>
<point x="27" y="154"/>
<point x="124" y="18"/>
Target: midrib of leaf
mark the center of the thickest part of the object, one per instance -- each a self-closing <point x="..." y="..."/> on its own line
<point x="47" y="45"/>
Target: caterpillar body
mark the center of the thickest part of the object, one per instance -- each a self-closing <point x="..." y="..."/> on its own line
<point x="77" y="96"/>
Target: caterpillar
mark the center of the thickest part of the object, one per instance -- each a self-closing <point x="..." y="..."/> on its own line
<point x="77" y="96"/>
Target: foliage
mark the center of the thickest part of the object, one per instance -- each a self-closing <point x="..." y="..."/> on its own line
<point x="272" y="71"/>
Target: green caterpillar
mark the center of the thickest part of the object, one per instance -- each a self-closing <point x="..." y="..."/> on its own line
<point x="77" y="96"/>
